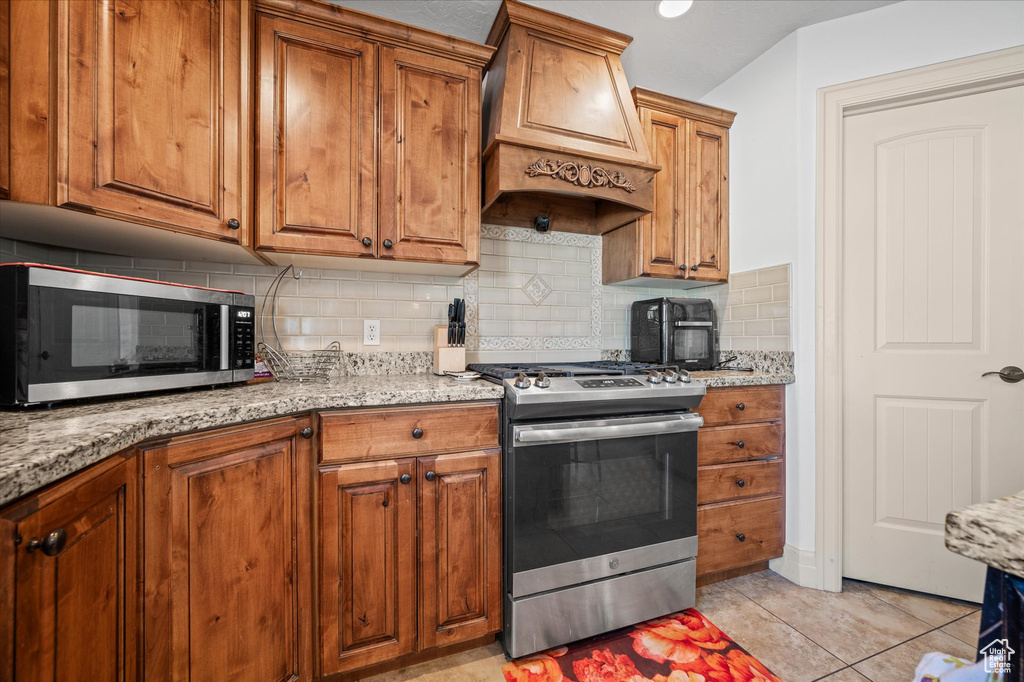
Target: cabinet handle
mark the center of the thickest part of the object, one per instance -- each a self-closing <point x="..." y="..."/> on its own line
<point x="431" y="475"/>
<point x="417" y="432"/>
<point x="683" y="266"/>
<point x="740" y="482"/>
<point x="405" y="479"/>
<point x="51" y="545"/>
<point x="694" y="267"/>
<point x="739" y="443"/>
<point x="234" y="224"/>
<point x="388" y="243"/>
<point x="385" y="503"/>
<point x="367" y="241"/>
<point x="741" y="537"/>
<point x="307" y="432"/>
<point x="741" y="406"/>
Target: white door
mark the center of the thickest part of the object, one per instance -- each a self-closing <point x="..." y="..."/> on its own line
<point x="933" y="296"/>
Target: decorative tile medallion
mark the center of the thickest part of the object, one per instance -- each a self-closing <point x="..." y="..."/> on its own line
<point x="537" y="289"/>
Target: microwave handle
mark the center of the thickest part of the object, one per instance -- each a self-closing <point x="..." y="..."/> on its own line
<point x="225" y="337"/>
<point x="624" y="428"/>
<point x="691" y="324"/>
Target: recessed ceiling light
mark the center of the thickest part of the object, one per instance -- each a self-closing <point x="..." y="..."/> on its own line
<point x="670" y="9"/>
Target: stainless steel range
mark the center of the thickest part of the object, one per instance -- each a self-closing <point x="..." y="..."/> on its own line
<point x="600" y="499"/>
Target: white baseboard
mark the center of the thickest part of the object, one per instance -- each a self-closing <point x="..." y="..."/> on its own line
<point x="797" y="565"/>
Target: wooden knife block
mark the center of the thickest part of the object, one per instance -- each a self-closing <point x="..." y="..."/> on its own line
<point x="447" y="359"/>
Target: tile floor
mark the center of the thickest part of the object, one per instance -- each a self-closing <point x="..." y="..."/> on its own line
<point x="867" y="632"/>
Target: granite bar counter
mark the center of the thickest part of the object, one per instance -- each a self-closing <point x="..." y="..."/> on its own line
<point x="40" y="446"/>
<point x="990" y="532"/>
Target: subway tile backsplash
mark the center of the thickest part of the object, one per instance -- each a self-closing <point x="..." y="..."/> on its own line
<point x="536" y="297"/>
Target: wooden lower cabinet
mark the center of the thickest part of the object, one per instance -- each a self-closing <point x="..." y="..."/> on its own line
<point x="741" y="475"/>
<point x="373" y="565"/>
<point x="367" y="564"/>
<point x="68" y="578"/>
<point x="226" y="555"/>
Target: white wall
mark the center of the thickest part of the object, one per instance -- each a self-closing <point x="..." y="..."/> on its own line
<point x="773" y="164"/>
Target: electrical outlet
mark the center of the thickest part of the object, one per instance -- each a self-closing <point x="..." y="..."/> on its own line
<point x="371" y="332"/>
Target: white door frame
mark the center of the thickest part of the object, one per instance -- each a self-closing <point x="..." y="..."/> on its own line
<point x="989" y="71"/>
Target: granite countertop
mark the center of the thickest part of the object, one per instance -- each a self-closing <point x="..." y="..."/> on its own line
<point x="991" y="532"/>
<point x="756" y="378"/>
<point x="38" y="447"/>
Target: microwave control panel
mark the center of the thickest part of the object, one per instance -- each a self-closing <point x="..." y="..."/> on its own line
<point x="243" y="336"/>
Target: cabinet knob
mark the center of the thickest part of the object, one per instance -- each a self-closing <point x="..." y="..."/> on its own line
<point x="405" y="479"/>
<point x="683" y="266"/>
<point x="741" y="537"/>
<point x="385" y="503"/>
<point x="740" y="482"/>
<point x="367" y="241"/>
<point x="694" y="267"/>
<point x="417" y="432"/>
<point x="51" y="545"/>
<point x="431" y="475"/>
<point x="388" y="243"/>
<point x="307" y="432"/>
<point x="741" y="406"/>
<point x="234" y="224"/>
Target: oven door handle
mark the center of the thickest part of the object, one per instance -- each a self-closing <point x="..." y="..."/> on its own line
<point x="569" y="432"/>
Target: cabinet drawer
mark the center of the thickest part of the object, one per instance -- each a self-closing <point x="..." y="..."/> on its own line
<point x="737" y="481"/>
<point x="742" y="404"/>
<point x="373" y="434"/>
<point x="720" y="526"/>
<point x="718" y="445"/>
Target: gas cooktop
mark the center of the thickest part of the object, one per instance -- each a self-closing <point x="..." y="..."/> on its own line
<point x="498" y="373"/>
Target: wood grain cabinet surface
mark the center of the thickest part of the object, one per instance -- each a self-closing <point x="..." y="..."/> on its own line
<point x="152" y="121"/>
<point x="741" y="474"/>
<point x="226" y="555"/>
<point x="68" y="580"/>
<point x="685" y="239"/>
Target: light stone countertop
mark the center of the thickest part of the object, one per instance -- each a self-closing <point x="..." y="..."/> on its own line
<point x="39" y="446"/>
<point x="991" y="532"/>
<point x="756" y="378"/>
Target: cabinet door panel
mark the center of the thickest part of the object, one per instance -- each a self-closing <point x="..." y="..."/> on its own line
<point x="429" y="165"/>
<point x="74" y="613"/>
<point x="460" y="547"/>
<point x="664" y="242"/>
<point x="151" y="112"/>
<point x="367" y="569"/>
<point x="316" y="137"/>
<point x="708" y="168"/>
<point x="226" y="550"/>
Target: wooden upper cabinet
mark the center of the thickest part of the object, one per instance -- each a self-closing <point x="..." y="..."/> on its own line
<point x="460" y="547"/>
<point x="152" y="117"/>
<point x="227" y="555"/>
<point x="686" y="237"/>
<point x="367" y="564"/>
<point x="316" y="140"/>
<point x="68" y="590"/>
<point x="429" y="158"/>
<point x="708" y="201"/>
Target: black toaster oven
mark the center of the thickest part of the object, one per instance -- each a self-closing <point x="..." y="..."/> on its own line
<point x="674" y="331"/>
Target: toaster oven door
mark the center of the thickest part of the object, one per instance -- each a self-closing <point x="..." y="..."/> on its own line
<point x="692" y="344"/>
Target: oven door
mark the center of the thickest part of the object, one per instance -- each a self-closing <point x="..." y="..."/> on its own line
<point x="592" y="499"/>
<point x="120" y="336"/>
<point x="692" y="344"/>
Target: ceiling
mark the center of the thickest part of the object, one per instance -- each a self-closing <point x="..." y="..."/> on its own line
<point x="686" y="57"/>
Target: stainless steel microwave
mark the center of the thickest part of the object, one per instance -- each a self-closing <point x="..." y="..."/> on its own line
<point x="67" y="334"/>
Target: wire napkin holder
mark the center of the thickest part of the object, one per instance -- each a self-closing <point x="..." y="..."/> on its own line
<point x="293" y="365"/>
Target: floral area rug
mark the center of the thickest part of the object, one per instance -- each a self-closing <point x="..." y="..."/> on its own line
<point x="682" y="647"/>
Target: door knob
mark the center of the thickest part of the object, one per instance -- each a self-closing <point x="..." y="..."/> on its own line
<point x="367" y="241"/>
<point x="388" y="243"/>
<point x="51" y="545"/>
<point x="1009" y="374"/>
<point x="431" y="475"/>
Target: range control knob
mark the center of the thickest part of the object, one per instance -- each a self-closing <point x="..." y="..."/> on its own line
<point x="654" y="376"/>
<point x="670" y="376"/>
<point x="542" y="381"/>
<point x="522" y="381"/>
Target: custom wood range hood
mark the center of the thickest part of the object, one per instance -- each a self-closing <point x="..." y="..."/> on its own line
<point x="562" y="139"/>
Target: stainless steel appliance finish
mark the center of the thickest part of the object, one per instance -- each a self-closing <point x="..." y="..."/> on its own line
<point x="547" y="620"/>
<point x="600" y="498"/>
<point x="67" y="334"/>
